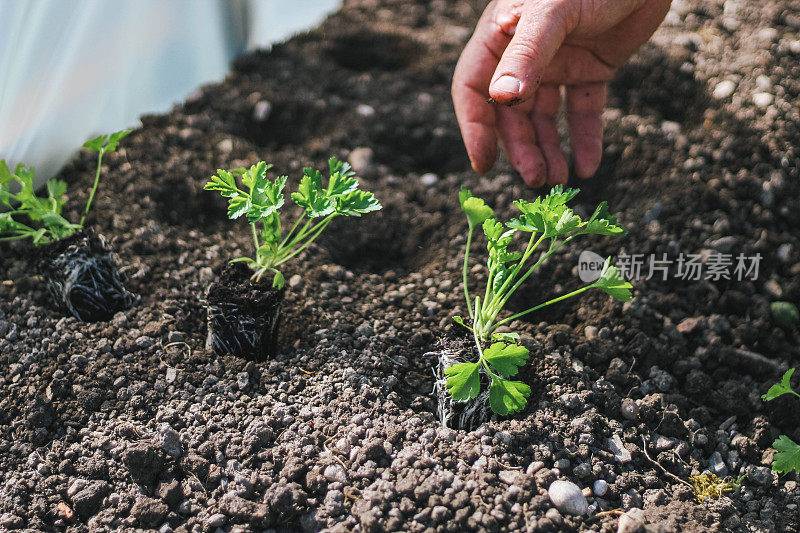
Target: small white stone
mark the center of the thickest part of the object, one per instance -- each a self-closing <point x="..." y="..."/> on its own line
<point x="171" y="374"/>
<point x="600" y="487"/>
<point x="767" y="34"/>
<point x="568" y="497"/>
<point x="724" y="89"/>
<point x="360" y="158"/>
<point x="764" y="83"/>
<point x="670" y="127"/>
<point x="429" y="179"/>
<point x="262" y="110"/>
<point x="225" y="145"/>
<point x="631" y="521"/>
<point x="763" y="99"/>
<point x="365" y="110"/>
<point x="616" y="446"/>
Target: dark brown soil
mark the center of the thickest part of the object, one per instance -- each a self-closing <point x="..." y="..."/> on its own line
<point x="131" y="423"/>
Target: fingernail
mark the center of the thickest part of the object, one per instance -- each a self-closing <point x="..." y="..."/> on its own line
<point x="507" y="84"/>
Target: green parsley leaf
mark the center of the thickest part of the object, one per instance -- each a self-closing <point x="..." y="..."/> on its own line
<point x="356" y="203"/>
<point x="476" y="209"/>
<point x="779" y="389"/>
<point x="508" y="396"/>
<point x="266" y="196"/>
<point x="603" y="223"/>
<point x="501" y="275"/>
<point x="96" y="144"/>
<point x="56" y="189"/>
<point x="464" y="381"/>
<point x="460" y="321"/>
<point x="342" y="178"/>
<point x="787" y="456"/>
<point x="262" y="199"/>
<point x="238" y="206"/>
<point x="115" y="138"/>
<point x="506" y="358"/>
<point x="224" y="182"/>
<point x="106" y="143"/>
<point x="510" y="338"/>
<point x="312" y="196"/>
<point x="612" y="283"/>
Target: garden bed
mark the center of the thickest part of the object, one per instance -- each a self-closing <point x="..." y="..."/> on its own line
<point x="133" y="423"/>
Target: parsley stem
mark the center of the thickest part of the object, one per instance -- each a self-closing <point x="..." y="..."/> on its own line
<point x="16" y="237"/>
<point x="529" y="249"/>
<point x="291" y="231"/>
<point x="506" y="294"/>
<point x="464" y="273"/>
<point x="255" y="238"/>
<point x="549" y="302"/>
<point x="481" y="360"/>
<point x="94" y="187"/>
<point x="315" y="232"/>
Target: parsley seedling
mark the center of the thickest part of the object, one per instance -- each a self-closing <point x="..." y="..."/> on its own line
<point x="787" y="452"/>
<point x="260" y="200"/>
<point x="551" y="224"/>
<point x="45" y="223"/>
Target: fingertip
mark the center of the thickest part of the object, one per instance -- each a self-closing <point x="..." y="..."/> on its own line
<point x="480" y="167"/>
<point x="588" y="158"/>
<point x="557" y="168"/>
<point x="558" y="176"/>
<point x="535" y="175"/>
<point x="482" y="153"/>
<point x="506" y="90"/>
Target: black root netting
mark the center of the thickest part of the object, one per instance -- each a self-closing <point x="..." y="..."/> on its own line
<point x="242" y="326"/>
<point x="82" y="277"/>
<point x="459" y="415"/>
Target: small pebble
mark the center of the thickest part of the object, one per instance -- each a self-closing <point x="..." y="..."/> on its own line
<point x="717" y="466"/>
<point x="360" y="158"/>
<point x="365" y="110"/>
<point x="763" y="99"/>
<point x="262" y="110"/>
<point x="429" y="179"/>
<point x="225" y="146"/>
<point x="631" y="521"/>
<point x="600" y="487"/>
<point x="568" y="497"/>
<point x="215" y="520"/>
<point x="629" y="409"/>
<point x="724" y="89"/>
<point x="615" y="445"/>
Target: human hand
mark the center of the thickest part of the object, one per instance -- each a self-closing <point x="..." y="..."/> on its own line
<point x="520" y="55"/>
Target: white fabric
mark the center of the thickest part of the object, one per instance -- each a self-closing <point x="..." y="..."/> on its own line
<point x="70" y="70"/>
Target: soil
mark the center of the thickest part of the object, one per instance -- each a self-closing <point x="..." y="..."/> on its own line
<point x="243" y="315"/>
<point x="131" y="423"/>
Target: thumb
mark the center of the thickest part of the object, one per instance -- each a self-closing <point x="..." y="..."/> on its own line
<point x="542" y="28"/>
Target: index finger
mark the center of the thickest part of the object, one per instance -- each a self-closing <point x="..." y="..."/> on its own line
<point x="470" y="90"/>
